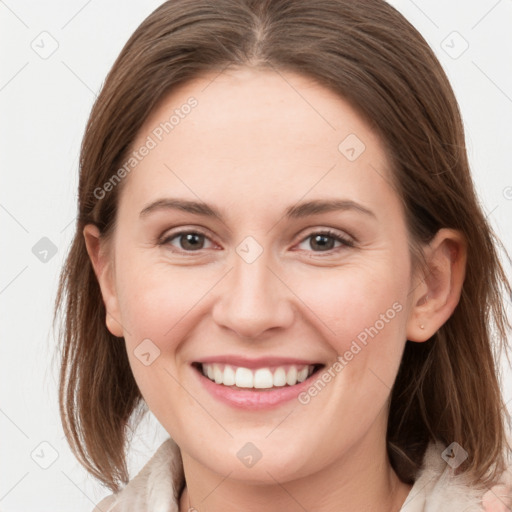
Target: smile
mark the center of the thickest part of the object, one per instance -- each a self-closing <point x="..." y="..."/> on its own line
<point x="257" y="378"/>
<point x="260" y="387"/>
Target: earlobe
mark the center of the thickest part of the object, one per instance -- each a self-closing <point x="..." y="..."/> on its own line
<point x="102" y="265"/>
<point x="437" y="293"/>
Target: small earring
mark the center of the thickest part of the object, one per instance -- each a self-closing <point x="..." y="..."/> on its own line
<point x="422" y="326"/>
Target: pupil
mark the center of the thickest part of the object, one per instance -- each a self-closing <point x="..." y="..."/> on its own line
<point x="321" y="240"/>
<point x="191" y="240"/>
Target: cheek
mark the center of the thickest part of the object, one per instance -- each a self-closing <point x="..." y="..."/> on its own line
<point x="360" y="312"/>
<point x="153" y="298"/>
<point x="346" y="303"/>
<point x="156" y="307"/>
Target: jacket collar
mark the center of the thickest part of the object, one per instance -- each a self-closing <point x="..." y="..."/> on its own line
<point x="158" y="486"/>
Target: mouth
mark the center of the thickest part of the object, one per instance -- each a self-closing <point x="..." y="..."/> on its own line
<point x="267" y="378"/>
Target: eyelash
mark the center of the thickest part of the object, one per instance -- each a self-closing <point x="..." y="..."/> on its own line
<point x="346" y="242"/>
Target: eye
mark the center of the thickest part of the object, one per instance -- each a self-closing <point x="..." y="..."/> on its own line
<point x="188" y="241"/>
<point x="193" y="241"/>
<point x="324" y="241"/>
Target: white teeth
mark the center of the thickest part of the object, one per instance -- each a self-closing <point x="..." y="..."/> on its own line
<point x="291" y="376"/>
<point x="302" y="375"/>
<point x="261" y="378"/>
<point x="243" y="378"/>
<point x="279" y="377"/>
<point x="217" y="375"/>
<point x="229" y="378"/>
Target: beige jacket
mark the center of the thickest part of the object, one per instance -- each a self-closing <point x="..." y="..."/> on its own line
<point x="436" y="489"/>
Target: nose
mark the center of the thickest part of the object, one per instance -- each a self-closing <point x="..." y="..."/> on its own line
<point x="253" y="299"/>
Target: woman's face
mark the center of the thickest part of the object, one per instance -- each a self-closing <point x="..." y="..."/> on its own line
<point x="262" y="285"/>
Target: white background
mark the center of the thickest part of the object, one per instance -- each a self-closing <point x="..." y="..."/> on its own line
<point x="44" y="106"/>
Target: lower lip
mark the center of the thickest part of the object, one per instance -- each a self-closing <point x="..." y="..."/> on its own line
<point x="252" y="399"/>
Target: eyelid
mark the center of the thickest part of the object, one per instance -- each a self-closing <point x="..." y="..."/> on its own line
<point x="329" y="232"/>
<point x="344" y="239"/>
<point x="169" y="235"/>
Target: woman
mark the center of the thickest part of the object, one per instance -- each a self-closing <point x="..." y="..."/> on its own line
<point x="279" y="252"/>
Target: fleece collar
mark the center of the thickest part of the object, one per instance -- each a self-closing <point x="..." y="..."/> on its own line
<point x="158" y="485"/>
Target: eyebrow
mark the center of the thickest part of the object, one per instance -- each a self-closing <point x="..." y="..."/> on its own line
<point x="297" y="211"/>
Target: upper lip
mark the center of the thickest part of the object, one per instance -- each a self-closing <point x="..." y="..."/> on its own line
<point x="260" y="362"/>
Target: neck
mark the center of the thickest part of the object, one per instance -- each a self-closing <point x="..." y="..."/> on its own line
<point x="361" y="479"/>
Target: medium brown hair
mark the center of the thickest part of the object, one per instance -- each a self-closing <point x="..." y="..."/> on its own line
<point x="446" y="389"/>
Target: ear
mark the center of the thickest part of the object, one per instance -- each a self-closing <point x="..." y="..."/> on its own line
<point x="102" y="262"/>
<point x="436" y="293"/>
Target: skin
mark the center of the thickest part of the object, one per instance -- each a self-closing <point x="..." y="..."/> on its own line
<point x="257" y="143"/>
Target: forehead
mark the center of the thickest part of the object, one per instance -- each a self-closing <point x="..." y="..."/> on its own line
<point x="259" y="133"/>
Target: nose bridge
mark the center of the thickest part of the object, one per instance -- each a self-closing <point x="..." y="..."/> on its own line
<point x="252" y="299"/>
